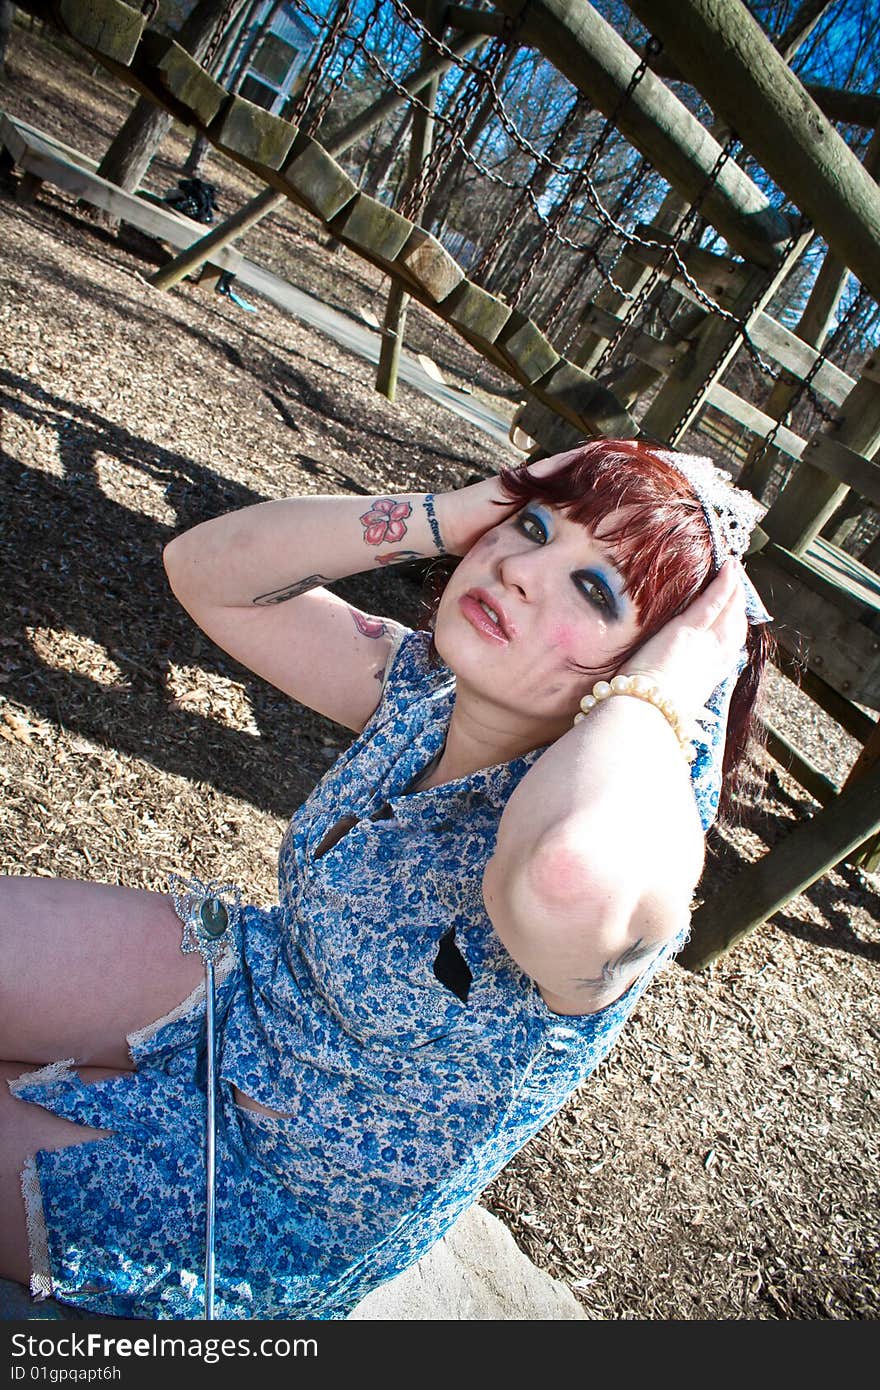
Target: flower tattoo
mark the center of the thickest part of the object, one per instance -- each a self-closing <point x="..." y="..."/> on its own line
<point x="385" y="521"/>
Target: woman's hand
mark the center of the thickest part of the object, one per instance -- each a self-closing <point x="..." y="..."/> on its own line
<point x="469" y="512"/>
<point x="694" y="652"/>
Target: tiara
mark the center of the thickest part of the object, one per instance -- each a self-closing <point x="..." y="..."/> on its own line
<point x="731" y="513"/>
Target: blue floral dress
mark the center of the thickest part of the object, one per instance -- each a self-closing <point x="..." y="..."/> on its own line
<point x="374" y="1009"/>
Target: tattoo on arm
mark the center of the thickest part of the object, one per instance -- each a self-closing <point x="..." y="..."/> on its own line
<point x="385" y="521"/>
<point x="614" y="970"/>
<point x="428" y="504"/>
<point x="368" y="627"/>
<point x="399" y="557"/>
<point x="302" y="586"/>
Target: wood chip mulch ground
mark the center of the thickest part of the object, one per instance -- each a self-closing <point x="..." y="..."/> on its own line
<point x="724" y="1162"/>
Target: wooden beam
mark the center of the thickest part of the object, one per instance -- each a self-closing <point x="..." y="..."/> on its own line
<point x="744" y="413"/>
<point x="600" y="63"/>
<point x="806" y="853"/>
<point x="845" y="466"/>
<point x="811" y="497"/>
<point x="716" y="343"/>
<point x="728" y="57"/>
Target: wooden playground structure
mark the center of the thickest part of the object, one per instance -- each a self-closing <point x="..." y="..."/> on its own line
<point x="826" y="602"/>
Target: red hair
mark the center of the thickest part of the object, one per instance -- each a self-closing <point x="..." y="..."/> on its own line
<point x="663" y="549"/>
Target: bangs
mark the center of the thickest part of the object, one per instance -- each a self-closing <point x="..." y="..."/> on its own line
<point x="643" y="509"/>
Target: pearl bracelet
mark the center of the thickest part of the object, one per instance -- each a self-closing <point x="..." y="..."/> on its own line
<point x="642" y="689"/>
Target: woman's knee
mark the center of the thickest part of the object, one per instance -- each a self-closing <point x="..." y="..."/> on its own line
<point x="84" y="966"/>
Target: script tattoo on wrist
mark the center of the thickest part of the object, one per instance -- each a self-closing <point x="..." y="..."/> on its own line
<point x="385" y="521"/>
<point x="428" y="504"/>
<point x="368" y="627"/>
<point x="613" y="970"/>
<point x="302" y="586"/>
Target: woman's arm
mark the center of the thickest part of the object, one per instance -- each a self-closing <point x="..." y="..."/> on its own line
<point x="600" y="847"/>
<point x="254" y="581"/>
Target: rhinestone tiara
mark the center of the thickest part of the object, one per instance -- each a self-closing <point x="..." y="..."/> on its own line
<point x="731" y="513"/>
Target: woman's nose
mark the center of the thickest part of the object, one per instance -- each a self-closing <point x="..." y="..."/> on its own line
<point x="523" y="569"/>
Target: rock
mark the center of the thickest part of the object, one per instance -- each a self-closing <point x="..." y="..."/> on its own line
<point x="475" y="1273"/>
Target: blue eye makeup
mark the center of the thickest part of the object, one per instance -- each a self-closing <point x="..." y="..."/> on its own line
<point x="598" y="590"/>
<point x="597" y="587"/>
<point x="534" y="523"/>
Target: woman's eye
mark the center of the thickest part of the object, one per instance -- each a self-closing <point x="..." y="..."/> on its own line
<point x="532" y="526"/>
<point x="596" y="592"/>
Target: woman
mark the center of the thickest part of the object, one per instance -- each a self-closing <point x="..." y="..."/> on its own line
<point x="471" y="901"/>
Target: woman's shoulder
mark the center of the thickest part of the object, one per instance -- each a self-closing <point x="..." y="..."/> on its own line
<point x="412" y="668"/>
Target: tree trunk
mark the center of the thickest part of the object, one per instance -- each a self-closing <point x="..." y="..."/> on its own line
<point x="230" y="73"/>
<point x="128" y="156"/>
<point x="7" y="10"/>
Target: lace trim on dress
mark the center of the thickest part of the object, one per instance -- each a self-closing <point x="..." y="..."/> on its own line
<point x="38" y="1238"/>
<point x="44" y="1076"/>
<point x="141" y="1036"/>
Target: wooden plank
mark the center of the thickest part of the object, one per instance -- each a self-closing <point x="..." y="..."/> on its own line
<point x="814" y="621"/>
<point x="106" y="28"/>
<point x="315" y="180"/>
<point x="732" y="405"/>
<point x="718" y="276"/>
<point x="427" y="264"/>
<point x="828" y="570"/>
<point x="40" y="161"/>
<point x="475" y="313"/>
<point x="372" y="227"/>
<point x="162" y="61"/>
<point x="592" y="55"/>
<point x="845" y="466"/>
<point x="248" y="133"/>
<point x="15" y="132"/>
<point x="805" y="773"/>
<point x="589" y="405"/>
<point x="529" y="353"/>
<point x="752" y="88"/>
<point x="715" y="344"/>
<point x="774" y="340"/>
<point x="551" y="432"/>
<point x="806" y="853"/>
<point x="847" y="714"/>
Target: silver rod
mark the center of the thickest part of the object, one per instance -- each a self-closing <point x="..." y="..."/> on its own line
<point x="209" y="1143"/>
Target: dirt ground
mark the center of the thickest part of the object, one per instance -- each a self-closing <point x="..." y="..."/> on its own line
<point x="723" y="1163"/>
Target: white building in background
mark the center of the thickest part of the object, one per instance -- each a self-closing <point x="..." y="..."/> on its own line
<point x="277" y="58"/>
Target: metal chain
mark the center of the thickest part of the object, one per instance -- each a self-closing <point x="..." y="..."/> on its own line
<point x="213" y="48"/>
<point x="591" y="255"/>
<point x="328" y="48"/>
<point x="684" y="225"/>
<point x="668" y="250"/>
<point x="451" y="133"/>
<point x="805" y="384"/>
<point x="489" y="258"/>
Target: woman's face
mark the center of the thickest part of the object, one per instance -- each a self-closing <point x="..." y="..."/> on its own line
<point x="557" y="603"/>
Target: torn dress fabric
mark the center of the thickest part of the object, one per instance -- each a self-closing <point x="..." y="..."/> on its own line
<point x="406" y="1055"/>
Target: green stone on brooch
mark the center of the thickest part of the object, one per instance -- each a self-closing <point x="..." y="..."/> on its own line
<point x="214" y="917"/>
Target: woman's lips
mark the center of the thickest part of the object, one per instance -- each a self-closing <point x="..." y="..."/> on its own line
<point x="471" y="605"/>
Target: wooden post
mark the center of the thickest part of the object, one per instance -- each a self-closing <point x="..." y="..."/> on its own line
<point x="726" y="54"/>
<point x="266" y="202"/>
<point x="421" y="138"/>
<point x="811" y="496"/>
<point x="813" y="328"/>
<point x="716" y="344"/>
<point x="589" y="52"/>
<point x="806" y="853"/>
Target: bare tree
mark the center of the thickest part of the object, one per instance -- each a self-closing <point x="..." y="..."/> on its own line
<point x="128" y="156"/>
<point x="7" y="10"/>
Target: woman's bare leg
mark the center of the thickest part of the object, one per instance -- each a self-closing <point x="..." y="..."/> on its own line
<point x="24" y="1129"/>
<point x="82" y="965"/>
